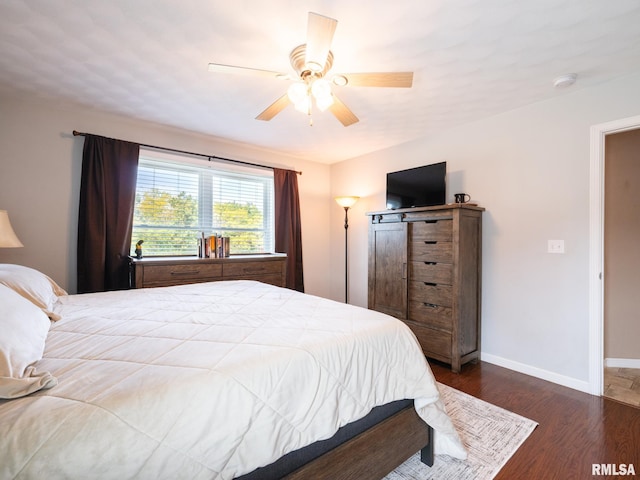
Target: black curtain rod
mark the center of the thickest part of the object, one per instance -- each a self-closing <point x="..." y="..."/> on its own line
<point x="209" y="157"/>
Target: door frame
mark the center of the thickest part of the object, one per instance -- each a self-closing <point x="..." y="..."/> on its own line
<point x="596" y="246"/>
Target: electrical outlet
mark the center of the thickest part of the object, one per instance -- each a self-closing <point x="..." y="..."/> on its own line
<point x="555" y="246"/>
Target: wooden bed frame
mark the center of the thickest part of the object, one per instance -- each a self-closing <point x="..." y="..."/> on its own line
<point x="375" y="452"/>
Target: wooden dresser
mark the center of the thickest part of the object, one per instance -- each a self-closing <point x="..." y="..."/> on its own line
<point x="165" y="271"/>
<point x="425" y="269"/>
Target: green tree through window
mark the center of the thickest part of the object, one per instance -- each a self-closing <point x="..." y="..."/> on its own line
<point x="243" y="224"/>
<point x="175" y="204"/>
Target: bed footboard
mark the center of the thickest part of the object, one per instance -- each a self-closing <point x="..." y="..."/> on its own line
<point x="375" y="452"/>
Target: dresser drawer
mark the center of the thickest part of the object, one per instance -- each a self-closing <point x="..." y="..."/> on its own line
<point x="431" y="315"/>
<point x="434" y="343"/>
<point x="177" y="274"/>
<point x="273" y="279"/>
<point x="245" y="269"/>
<point x="431" y="272"/>
<point x="436" y="230"/>
<point x="431" y="251"/>
<point x="431" y="293"/>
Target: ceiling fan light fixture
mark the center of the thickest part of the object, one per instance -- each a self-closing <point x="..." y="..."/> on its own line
<point x="321" y="91"/>
<point x="324" y="102"/>
<point x="297" y="92"/>
<point x="320" y="87"/>
<point x="300" y="96"/>
<point x="303" y="105"/>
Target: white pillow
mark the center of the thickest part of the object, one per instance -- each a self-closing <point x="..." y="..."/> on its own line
<point x="24" y="330"/>
<point x="32" y="285"/>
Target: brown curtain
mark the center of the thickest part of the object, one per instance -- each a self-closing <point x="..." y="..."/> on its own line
<point x="288" y="231"/>
<point x="107" y="196"/>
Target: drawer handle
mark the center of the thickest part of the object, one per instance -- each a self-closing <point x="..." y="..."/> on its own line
<point x="188" y="272"/>
<point x="430" y="242"/>
<point x="431" y="221"/>
<point x="430" y="305"/>
<point x="429" y="284"/>
<point x="430" y="263"/>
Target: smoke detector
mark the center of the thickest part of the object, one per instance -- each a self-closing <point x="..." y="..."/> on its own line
<point x="566" y="80"/>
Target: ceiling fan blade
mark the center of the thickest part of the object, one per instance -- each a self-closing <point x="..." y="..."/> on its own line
<point x="275" y="108"/>
<point x="320" y="30"/>
<point x="219" y="68"/>
<point x="382" y="79"/>
<point x="342" y="112"/>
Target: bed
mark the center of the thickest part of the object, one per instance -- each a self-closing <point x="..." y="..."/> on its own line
<point x="214" y="380"/>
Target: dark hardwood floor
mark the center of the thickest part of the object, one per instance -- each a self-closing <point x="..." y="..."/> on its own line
<point x="575" y="429"/>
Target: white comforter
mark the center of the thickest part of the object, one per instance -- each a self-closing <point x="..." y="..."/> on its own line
<point x="207" y="381"/>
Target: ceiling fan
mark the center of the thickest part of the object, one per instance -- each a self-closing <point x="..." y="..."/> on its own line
<point x="312" y="62"/>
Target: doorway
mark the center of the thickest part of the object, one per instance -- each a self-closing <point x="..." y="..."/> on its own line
<point x="596" y="247"/>
<point x="621" y="267"/>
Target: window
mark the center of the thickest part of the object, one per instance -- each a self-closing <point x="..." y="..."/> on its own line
<point x="178" y="199"/>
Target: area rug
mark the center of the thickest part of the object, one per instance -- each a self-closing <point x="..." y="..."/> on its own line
<point x="490" y="433"/>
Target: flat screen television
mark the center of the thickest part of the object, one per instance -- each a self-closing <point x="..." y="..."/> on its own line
<point x="417" y="187"/>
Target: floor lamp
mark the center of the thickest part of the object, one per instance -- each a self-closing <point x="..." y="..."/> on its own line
<point x="346" y="203"/>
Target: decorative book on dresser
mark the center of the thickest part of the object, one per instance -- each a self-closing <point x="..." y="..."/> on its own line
<point x="425" y="269"/>
<point x="165" y="271"/>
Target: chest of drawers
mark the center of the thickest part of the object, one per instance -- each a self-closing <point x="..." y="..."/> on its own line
<point x="166" y="271"/>
<point x="433" y="283"/>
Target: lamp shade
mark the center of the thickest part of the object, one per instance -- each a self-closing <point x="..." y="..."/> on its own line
<point x="321" y="91"/>
<point x="8" y="237"/>
<point x="297" y="92"/>
<point x="347" y="202"/>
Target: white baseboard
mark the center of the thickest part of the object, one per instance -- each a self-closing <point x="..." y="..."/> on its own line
<point x="622" y="362"/>
<point x="553" y="377"/>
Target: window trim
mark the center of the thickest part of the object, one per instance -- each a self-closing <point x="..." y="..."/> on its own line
<point x="205" y="195"/>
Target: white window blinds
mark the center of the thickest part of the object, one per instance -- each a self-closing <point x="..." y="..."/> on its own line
<point x="178" y="200"/>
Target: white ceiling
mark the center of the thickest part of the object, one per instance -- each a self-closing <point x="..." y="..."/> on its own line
<point x="472" y="58"/>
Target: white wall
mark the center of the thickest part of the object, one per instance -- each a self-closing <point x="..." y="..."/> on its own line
<point x="530" y="169"/>
<point x="40" y="166"/>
